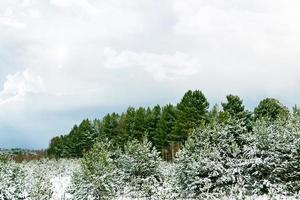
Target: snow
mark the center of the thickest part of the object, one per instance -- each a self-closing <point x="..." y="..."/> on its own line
<point x="203" y="169"/>
<point x="60" y="175"/>
<point x="60" y="185"/>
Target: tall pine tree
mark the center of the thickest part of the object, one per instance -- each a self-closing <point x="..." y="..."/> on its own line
<point x="191" y="112"/>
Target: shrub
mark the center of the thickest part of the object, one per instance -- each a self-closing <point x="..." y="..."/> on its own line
<point x="96" y="177"/>
<point x="139" y="169"/>
<point x="12" y="184"/>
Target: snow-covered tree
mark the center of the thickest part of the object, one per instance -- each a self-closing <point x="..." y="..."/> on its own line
<point x="208" y="164"/>
<point x="273" y="157"/>
<point x="227" y="160"/>
<point x="139" y="169"/>
<point x="96" y="178"/>
<point x="38" y="179"/>
<point x="12" y="184"/>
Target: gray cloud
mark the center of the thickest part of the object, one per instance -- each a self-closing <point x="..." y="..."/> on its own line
<point x="62" y="56"/>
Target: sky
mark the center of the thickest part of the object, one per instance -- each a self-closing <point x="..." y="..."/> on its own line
<point x="65" y="60"/>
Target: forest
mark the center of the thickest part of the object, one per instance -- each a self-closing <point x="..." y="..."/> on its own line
<point x="166" y="127"/>
<point x="183" y="151"/>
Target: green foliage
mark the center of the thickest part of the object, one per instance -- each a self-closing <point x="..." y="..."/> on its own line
<point x="96" y="178"/>
<point x="165" y="128"/>
<point x="207" y="162"/>
<point x="79" y="140"/>
<point x="139" y="168"/>
<point x="140" y="159"/>
<point x="107" y="172"/>
<point x="56" y="147"/>
<point x="153" y="118"/>
<point x="109" y="128"/>
<point x="271" y="109"/>
<point x="226" y="159"/>
<point x="191" y="112"/>
<point x="273" y="157"/>
<point x="234" y="109"/>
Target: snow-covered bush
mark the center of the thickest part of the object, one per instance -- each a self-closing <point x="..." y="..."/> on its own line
<point x="273" y="158"/>
<point x="208" y="165"/>
<point x="38" y="179"/>
<point x="139" y="168"/>
<point x="12" y="184"/>
<point x="227" y="160"/>
<point x="107" y="173"/>
<point x="96" y="178"/>
<point x="35" y="180"/>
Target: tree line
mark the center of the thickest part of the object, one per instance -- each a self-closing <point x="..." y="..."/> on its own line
<point x="166" y="127"/>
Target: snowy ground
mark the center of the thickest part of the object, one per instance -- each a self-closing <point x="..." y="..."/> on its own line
<point x="56" y="176"/>
<point x="60" y="185"/>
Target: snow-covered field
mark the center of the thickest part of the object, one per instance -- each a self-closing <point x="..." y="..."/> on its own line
<point x="44" y="179"/>
<point x="203" y="169"/>
<point x="51" y="179"/>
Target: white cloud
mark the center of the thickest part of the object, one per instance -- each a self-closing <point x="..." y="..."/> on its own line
<point x="6" y="21"/>
<point x="160" y="66"/>
<point x="78" y="54"/>
<point x="18" y="85"/>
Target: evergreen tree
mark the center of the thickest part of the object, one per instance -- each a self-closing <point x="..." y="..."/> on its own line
<point x="164" y="133"/>
<point x="70" y="142"/>
<point x="235" y="110"/>
<point x="129" y="122"/>
<point x="234" y="107"/>
<point x="109" y="127"/>
<point x="210" y="162"/>
<point x="140" y="124"/>
<point x="96" y="178"/>
<point x="152" y="120"/>
<point x="191" y="112"/>
<point x="123" y="135"/>
<point x="214" y="114"/>
<point x="271" y="109"/>
<point x="139" y="166"/>
<point x="87" y="136"/>
<point x="56" y="147"/>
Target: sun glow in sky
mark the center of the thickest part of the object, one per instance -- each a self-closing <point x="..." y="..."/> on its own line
<point x="60" y="54"/>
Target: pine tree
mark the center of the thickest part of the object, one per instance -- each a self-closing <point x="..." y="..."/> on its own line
<point x="234" y="110"/>
<point x="87" y="136"/>
<point x="209" y="163"/>
<point x="271" y="109"/>
<point x="152" y="119"/>
<point x="214" y="115"/>
<point x="139" y="167"/>
<point x="191" y="112"/>
<point x="55" y="147"/>
<point x="96" y="178"/>
<point x="110" y="125"/>
<point x="165" y="129"/>
<point x="129" y="122"/>
<point x="140" y="124"/>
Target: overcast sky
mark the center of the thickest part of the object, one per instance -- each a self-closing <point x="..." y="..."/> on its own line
<point x="65" y="60"/>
